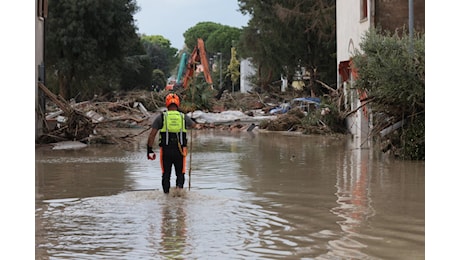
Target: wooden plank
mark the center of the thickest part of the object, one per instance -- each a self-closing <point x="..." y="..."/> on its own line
<point x="62" y="104"/>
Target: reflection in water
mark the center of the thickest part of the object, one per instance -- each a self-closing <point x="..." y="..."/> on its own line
<point x="253" y="196"/>
<point x="173" y="229"/>
<point x="354" y="203"/>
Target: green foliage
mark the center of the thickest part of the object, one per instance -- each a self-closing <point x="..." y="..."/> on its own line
<point x="158" y="78"/>
<point x="391" y="69"/>
<point x="87" y="42"/>
<point x="158" y="56"/>
<point x="162" y="55"/>
<point x="201" y="30"/>
<point x="413" y="140"/>
<point x="222" y="40"/>
<point x="282" y="32"/>
<point x="392" y="74"/>
<point x="136" y="73"/>
<point x="161" y="41"/>
<point x="199" y="95"/>
<point x="136" y="69"/>
<point x="234" y="68"/>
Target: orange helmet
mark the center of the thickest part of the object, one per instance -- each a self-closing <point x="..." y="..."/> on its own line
<point x="172" y="99"/>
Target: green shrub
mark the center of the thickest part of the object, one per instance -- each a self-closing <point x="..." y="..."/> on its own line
<point x="391" y="70"/>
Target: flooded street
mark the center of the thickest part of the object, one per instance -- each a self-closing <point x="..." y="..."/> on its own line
<point x="251" y="196"/>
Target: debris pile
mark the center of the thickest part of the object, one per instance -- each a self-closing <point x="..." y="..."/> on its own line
<point x="102" y="119"/>
<point x="91" y="121"/>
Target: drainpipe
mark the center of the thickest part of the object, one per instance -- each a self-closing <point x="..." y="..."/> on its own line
<point x="372" y="14"/>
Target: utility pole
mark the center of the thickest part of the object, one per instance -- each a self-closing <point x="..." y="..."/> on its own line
<point x="411" y="26"/>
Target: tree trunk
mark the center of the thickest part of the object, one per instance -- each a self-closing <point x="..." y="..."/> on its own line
<point x="312" y="82"/>
<point x="63" y="88"/>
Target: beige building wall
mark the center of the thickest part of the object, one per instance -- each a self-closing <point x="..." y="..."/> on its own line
<point x="39" y="60"/>
<point x="352" y="25"/>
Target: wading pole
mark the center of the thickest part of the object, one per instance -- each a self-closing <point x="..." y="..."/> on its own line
<point x="190" y="163"/>
<point x="191" y="142"/>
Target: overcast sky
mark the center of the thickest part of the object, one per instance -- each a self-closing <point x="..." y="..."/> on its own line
<point x="171" y="18"/>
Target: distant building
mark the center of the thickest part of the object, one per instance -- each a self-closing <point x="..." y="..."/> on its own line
<point x="354" y="18"/>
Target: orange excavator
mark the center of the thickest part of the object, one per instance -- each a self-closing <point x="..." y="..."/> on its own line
<point x="197" y="63"/>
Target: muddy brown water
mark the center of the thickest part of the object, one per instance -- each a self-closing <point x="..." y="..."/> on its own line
<point x="251" y="196"/>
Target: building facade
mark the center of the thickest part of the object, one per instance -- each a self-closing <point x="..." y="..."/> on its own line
<point x="354" y="18"/>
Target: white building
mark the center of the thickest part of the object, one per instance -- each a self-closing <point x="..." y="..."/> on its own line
<point x="247" y="70"/>
<point x="352" y="22"/>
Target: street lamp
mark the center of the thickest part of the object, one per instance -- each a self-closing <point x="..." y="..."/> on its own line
<point x="220" y="70"/>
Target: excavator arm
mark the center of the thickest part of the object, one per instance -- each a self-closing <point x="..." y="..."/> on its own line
<point x="182" y="64"/>
<point x="198" y="57"/>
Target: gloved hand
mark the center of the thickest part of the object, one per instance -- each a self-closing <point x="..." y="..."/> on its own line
<point x="150" y="153"/>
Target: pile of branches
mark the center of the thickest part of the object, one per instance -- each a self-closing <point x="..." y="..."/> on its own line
<point x="76" y="127"/>
<point x="88" y="121"/>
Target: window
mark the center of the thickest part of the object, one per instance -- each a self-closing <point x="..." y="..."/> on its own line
<point x="363" y="9"/>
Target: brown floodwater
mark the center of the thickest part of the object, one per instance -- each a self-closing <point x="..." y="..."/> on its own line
<point x="248" y="196"/>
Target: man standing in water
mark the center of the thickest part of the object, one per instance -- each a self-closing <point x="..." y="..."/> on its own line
<point x="173" y="127"/>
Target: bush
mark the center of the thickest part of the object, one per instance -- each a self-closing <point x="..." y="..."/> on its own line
<point x="391" y="70"/>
